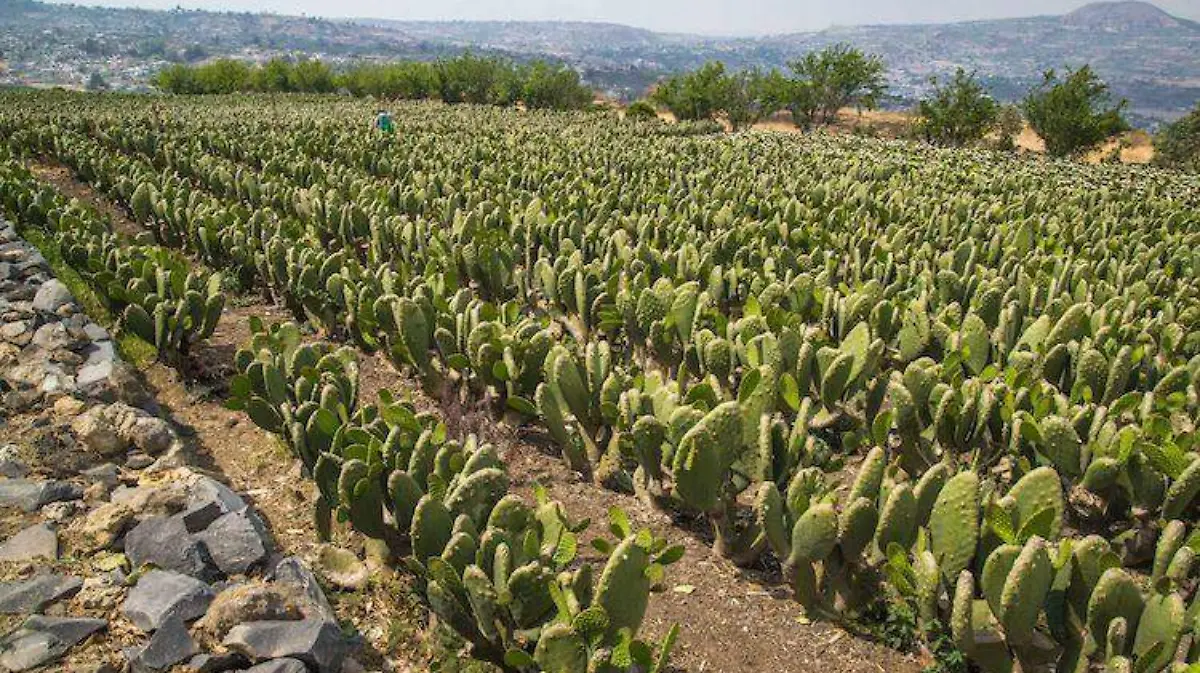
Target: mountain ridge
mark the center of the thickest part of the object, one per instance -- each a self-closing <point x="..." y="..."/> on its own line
<point x="1145" y="54"/>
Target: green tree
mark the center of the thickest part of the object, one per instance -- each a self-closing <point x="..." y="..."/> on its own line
<point x="699" y="94"/>
<point x="1177" y="145"/>
<point x="556" y="87"/>
<point x="1073" y="114"/>
<point x="96" y="82"/>
<point x="959" y="112"/>
<point x="833" y="78"/>
<point x="178" y="79"/>
<point x="310" y="76"/>
<point x="641" y="110"/>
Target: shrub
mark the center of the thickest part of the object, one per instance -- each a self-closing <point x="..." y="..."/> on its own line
<point x="1073" y="114"/>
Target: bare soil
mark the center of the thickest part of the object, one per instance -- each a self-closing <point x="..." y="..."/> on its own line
<point x="64" y="181"/>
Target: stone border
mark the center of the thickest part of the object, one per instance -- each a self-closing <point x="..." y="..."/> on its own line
<point x="168" y="554"/>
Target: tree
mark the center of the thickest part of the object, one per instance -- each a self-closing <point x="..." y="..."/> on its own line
<point x="1009" y="123"/>
<point x="1177" y="145"/>
<point x="554" y="87"/>
<point x="696" y="95"/>
<point x="641" y="110"/>
<point x="959" y="112"/>
<point x="833" y="78"/>
<point x="1073" y="114"/>
<point x="96" y="82"/>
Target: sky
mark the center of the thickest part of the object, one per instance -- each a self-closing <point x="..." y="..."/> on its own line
<point x="710" y="17"/>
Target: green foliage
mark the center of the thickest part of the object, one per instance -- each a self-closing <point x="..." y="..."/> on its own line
<point x="958" y="112"/>
<point x="1177" y="144"/>
<point x="1073" y="114"/>
<point x="838" y="76"/>
<point x="641" y="110"/>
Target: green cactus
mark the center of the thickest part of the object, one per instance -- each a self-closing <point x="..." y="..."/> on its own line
<point x="1182" y="492"/>
<point x="624" y="588"/>
<point x="954" y="523"/>
<point x="1025" y="591"/>
<point x="1116" y="595"/>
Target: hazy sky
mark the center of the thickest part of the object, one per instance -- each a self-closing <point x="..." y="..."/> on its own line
<point x="717" y="17"/>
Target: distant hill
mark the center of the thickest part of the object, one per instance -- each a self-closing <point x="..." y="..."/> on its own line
<point x="1125" y="15"/>
<point x="1147" y="55"/>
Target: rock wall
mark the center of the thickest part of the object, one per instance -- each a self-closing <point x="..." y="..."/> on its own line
<point x="119" y="554"/>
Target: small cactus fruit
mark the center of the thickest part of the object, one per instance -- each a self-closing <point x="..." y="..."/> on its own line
<point x="954" y="523"/>
<point x="624" y="587"/>
<point x="1025" y="591"/>
<point x="1116" y="596"/>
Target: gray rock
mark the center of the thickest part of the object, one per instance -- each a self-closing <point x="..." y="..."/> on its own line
<point x="292" y="571"/>
<point x="92" y="376"/>
<point x="237" y="542"/>
<point x="316" y="642"/>
<point x="151" y="435"/>
<point x="160" y="595"/>
<point x="206" y="489"/>
<point x="198" y="517"/>
<point x="37" y="541"/>
<point x="138" y="461"/>
<point x="215" y="663"/>
<point x="61" y="512"/>
<point x="165" y="542"/>
<point x="169" y="645"/>
<point x="342" y="568"/>
<point x="13" y="469"/>
<point x="95" y="332"/>
<point x="18" y="333"/>
<point x="107" y="474"/>
<point x="33" y="495"/>
<point x="23" y="597"/>
<point x="285" y="665"/>
<point x="51" y="296"/>
<point x="52" y="336"/>
<point x="43" y="639"/>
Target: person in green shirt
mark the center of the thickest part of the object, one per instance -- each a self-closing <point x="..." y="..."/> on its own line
<point x="383" y="121"/>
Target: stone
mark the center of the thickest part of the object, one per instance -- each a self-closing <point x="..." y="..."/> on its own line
<point x="151" y="435"/>
<point x="13" y="468"/>
<point x="342" y="568"/>
<point x="68" y="407"/>
<point x="95" y="332"/>
<point x="34" y="594"/>
<point x="198" y="517"/>
<point x="293" y="572"/>
<point x="169" y="645"/>
<point x="165" y="542"/>
<point x="97" y="432"/>
<point x="152" y="500"/>
<point x="138" y="461"/>
<point x="107" y="474"/>
<point x="160" y="595"/>
<point x="285" y="665"/>
<point x="51" y="296"/>
<point x="18" y="333"/>
<point x="253" y="601"/>
<point x="215" y="663"/>
<point x="41" y="640"/>
<point x="52" y="336"/>
<point x="33" y="495"/>
<point x="103" y="526"/>
<point x="237" y="542"/>
<point x="113" y="381"/>
<point x="100" y="592"/>
<point x="37" y="541"/>
<point x="316" y="642"/>
<point x="60" y="512"/>
<point x="203" y="488"/>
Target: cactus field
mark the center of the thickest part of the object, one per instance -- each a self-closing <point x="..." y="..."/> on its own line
<point x="949" y="388"/>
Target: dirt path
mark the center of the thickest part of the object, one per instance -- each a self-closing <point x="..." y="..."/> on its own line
<point x="61" y="177"/>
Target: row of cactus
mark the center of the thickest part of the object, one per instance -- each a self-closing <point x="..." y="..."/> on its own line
<point x="503" y="575"/>
<point x="159" y="297"/>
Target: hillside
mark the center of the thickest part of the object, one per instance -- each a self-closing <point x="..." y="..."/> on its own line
<point x="1147" y="55"/>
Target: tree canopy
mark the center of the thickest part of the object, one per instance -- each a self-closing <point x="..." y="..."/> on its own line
<point x="958" y="112"/>
<point x="1073" y="114"/>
